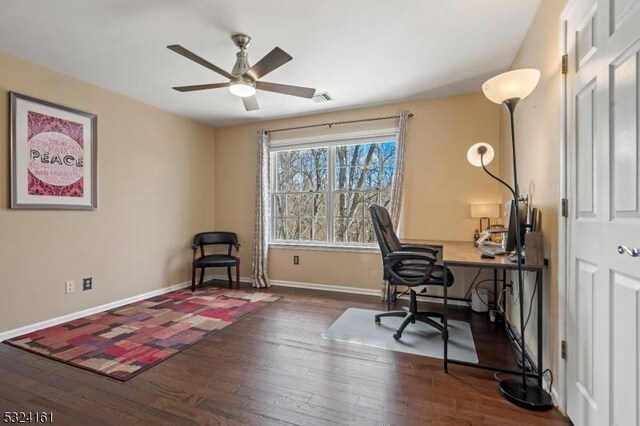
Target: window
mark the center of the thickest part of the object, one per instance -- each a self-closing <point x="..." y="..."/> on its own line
<point x="321" y="191"/>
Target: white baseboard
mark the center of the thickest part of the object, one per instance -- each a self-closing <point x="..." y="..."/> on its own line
<point x="224" y="278"/>
<point x="341" y="289"/>
<point x="311" y="286"/>
<point x="97" y="309"/>
<point x="327" y="287"/>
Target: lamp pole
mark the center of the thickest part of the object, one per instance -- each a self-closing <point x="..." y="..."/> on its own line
<point x="510" y="105"/>
<point x="508" y="89"/>
<point x="520" y="392"/>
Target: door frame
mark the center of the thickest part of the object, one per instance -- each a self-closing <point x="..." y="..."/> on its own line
<point x="560" y="393"/>
<point x="564" y="242"/>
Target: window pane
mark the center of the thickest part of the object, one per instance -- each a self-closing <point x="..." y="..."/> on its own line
<point x="292" y="232"/>
<point x="308" y="181"/>
<point x="386" y="177"/>
<point x="361" y="176"/>
<point x="354" y="230"/>
<point x="356" y="178"/>
<point x="342" y="178"/>
<point x="279" y="205"/>
<point x="280" y="231"/>
<point x="356" y="209"/>
<point x="320" y="205"/>
<point x="369" y="235"/>
<point x="319" y="229"/>
<point x="341" y="203"/>
<point x="341" y="156"/>
<point x="295" y="161"/>
<point x="321" y="181"/>
<point x="340" y="230"/>
<point x="385" y="199"/>
<point x="372" y="178"/>
<point x="283" y="171"/>
<point x="293" y="205"/>
<point x="305" y="229"/>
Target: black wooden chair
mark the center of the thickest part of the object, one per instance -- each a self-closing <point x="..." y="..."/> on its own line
<point x="407" y="265"/>
<point x="215" y="260"/>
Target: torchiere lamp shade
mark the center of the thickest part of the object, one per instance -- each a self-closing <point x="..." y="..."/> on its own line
<point x="517" y="84"/>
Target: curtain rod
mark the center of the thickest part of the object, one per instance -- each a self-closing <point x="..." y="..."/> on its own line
<point x="337" y="123"/>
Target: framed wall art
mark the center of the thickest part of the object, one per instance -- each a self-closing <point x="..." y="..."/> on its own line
<point x="53" y="156"/>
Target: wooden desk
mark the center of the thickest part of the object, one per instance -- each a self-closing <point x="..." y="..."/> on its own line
<point x="466" y="254"/>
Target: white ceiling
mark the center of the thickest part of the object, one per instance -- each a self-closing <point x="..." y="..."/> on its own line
<point x="363" y="52"/>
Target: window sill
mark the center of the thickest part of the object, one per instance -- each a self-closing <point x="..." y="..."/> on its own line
<point x="324" y="247"/>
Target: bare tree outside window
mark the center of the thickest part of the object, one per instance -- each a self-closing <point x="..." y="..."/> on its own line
<point x="363" y="177"/>
<point x="303" y="193"/>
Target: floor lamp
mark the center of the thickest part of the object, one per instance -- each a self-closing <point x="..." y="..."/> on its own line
<point x="508" y="89"/>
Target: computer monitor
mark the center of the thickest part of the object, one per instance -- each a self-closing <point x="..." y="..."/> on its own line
<point x="510" y="239"/>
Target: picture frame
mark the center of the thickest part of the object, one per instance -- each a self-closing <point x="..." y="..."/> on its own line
<point x="54" y="158"/>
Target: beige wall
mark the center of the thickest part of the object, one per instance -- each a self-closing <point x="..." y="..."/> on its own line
<point x="439" y="185"/>
<point x="538" y="149"/>
<point x="155" y="180"/>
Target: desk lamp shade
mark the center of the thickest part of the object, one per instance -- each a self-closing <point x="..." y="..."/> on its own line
<point x="479" y="211"/>
<point x="475" y="153"/>
<point x="517" y="84"/>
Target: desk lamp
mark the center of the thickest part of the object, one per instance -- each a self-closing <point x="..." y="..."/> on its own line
<point x="508" y="89"/>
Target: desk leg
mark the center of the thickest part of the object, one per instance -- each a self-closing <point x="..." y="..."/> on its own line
<point x="540" y="368"/>
<point x="504" y="291"/>
<point x="445" y="320"/>
<point x="495" y="290"/>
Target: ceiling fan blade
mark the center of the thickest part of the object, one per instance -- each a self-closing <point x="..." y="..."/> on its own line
<point x="195" y="58"/>
<point x="250" y="103"/>
<point x="303" y="92"/>
<point x="272" y="60"/>
<point x="200" y="87"/>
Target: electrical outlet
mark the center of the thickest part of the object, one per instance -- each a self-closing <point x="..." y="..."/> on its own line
<point x="69" y="286"/>
<point x="87" y="283"/>
<point x="296" y="260"/>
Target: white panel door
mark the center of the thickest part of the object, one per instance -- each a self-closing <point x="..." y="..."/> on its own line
<point x="603" y="165"/>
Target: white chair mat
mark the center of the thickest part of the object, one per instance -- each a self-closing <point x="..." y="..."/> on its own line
<point x="358" y="326"/>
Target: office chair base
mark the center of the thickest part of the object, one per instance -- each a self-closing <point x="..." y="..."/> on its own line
<point x="411" y="318"/>
<point x="530" y="397"/>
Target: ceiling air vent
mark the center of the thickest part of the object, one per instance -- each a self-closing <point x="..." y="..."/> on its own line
<point x="322" y="97"/>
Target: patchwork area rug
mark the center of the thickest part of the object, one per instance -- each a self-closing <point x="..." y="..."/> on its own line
<point x="126" y="341"/>
<point x="358" y="326"/>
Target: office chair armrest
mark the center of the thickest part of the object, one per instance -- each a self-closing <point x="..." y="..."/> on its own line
<point x="395" y="259"/>
<point x="426" y="249"/>
<point x="399" y="256"/>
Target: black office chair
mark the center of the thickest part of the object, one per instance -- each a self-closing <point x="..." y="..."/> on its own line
<point x="215" y="260"/>
<point x="407" y="265"/>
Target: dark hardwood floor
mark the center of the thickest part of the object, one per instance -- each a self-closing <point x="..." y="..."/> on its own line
<point x="274" y="367"/>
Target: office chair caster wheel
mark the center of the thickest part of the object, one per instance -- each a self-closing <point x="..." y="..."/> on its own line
<point x="377" y="321"/>
<point x="397" y="336"/>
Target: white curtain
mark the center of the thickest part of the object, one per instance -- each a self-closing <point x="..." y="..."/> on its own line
<point x="398" y="174"/>
<point x="397" y="182"/>
<point x="262" y="226"/>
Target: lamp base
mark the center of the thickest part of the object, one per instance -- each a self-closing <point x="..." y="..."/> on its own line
<point x="531" y="397"/>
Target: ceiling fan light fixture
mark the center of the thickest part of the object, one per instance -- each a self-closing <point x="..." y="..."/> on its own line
<point x="242" y="88"/>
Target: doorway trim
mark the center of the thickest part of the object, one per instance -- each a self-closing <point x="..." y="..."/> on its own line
<point x="563" y="228"/>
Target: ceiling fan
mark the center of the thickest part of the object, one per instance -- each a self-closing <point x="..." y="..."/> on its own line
<point x="244" y="79"/>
